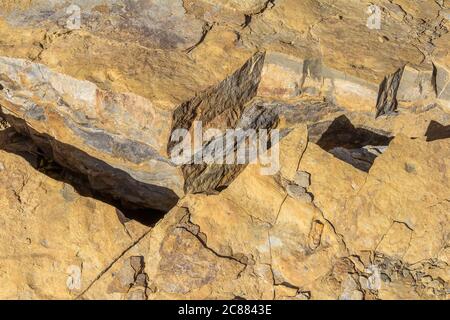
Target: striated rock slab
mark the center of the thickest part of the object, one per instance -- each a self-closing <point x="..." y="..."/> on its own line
<point x="331" y="52"/>
<point x="113" y="79"/>
<point x="128" y="134"/>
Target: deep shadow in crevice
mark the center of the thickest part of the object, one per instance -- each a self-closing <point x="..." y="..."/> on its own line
<point x="342" y="133"/>
<point x="16" y="143"/>
<point x="356" y="146"/>
<point x="437" y="131"/>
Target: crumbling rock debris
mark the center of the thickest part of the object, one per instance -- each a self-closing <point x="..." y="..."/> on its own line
<point x="298" y="192"/>
<point x="316" y="234"/>
<point x="387" y="97"/>
<point x="302" y="179"/>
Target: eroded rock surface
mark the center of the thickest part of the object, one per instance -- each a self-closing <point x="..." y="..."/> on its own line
<point x="92" y="91"/>
<point x="361" y="238"/>
<point x="54" y="242"/>
<point x="116" y="83"/>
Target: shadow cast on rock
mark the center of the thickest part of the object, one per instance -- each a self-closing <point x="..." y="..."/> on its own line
<point x="89" y="176"/>
<point x="437" y="131"/>
<point x="356" y="146"/>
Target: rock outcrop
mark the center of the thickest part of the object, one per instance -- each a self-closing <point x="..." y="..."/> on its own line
<point x="95" y="97"/>
<point x="364" y="236"/>
<point x="54" y="242"/>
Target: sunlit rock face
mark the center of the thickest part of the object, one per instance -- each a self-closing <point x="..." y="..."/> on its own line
<point x="95" y="206"/>
<point x="125" y="118"/>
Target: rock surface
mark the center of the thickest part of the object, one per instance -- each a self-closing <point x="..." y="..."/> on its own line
<point x="254" y="241"/>
<point x="93" y="205"/>
<point x="54" y="242"/>
<point x="145" y="68"/>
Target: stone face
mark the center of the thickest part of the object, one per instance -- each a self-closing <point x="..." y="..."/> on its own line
<point x="301" y="244"/>
<point x="251" y="239"/>
<point x="144" y="145"/>
<point x="298" y="192"/>
<point x="94" y="205"/>
<point x="415" y="85"/>
<point x="123" y="114"/>
<point x="147" y="68"/>
<point x="391" y="211"/>
<point x="442" y="83"/>
<point x="54" y="242"/>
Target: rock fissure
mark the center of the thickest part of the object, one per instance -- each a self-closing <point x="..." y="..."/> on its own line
<point x="110" y="265"/>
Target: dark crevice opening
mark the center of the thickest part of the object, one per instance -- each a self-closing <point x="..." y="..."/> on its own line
<point x="13" y="142"/>
<point x="356" y="146"/>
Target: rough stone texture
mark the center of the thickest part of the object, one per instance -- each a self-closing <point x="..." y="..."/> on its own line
<point x="54" y="242"/>
<point x="255" y="242"/>
<point x="402" y="191"/>
<point x="120" y="101"/>
<point x="358" y="210"/>
<point x="302" y="179"/>
<point x="116" y="88"/>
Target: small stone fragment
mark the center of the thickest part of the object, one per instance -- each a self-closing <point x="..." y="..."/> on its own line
<point x="350" y="289"/>
<point x="137" y="294"/>
<point x="298" y="193"/>
<point x="69" y="193"/>
<point x="141" y="280"/>
<point x="315" y="234"/>
<point x="137" y="263"/>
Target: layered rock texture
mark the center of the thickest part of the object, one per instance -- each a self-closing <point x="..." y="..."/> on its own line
<point x="94" y="206"/>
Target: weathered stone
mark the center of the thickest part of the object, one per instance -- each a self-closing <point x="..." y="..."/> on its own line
<point x="54" y="242"/>
<point x="416" y="86"/>
<point x="121" y="150"/>
<point x="412" y="172"/>
<point x="118" y="110"/>
<point x="442" y="83"/>
<point x="396" y="241"/>
<point x="387" y="99"/>
<point x="122" y="111"/>
<point x="302" y="179"/>
<point x="298" y="193"/>
<point x="358" y="209"/>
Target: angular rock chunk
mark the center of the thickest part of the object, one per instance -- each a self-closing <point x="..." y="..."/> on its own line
<point x="387" y="96"/>
<point x="442" y="83"/>
<point x="416" y="85"/>
<point x="105" y="134"/>
<point x="302" y="179"/>
<point x="298" y="192"/>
